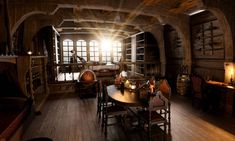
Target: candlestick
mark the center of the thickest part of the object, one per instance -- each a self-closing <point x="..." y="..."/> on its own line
<point x="231" y="80"/>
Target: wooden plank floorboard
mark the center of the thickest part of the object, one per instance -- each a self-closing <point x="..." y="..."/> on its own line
<point x="66" y="117"/>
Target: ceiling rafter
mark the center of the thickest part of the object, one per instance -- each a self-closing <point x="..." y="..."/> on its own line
<point x="124" y="16"/>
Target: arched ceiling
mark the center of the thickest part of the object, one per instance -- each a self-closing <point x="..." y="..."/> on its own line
<point x="120" y="17"/>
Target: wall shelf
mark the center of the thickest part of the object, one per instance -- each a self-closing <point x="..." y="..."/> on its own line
<point x="33" y="78"/>
<point x="143" y="49"/>
<point x="209" y="38"/>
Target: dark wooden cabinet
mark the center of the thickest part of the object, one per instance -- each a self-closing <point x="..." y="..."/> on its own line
<point x="222" y="96"/>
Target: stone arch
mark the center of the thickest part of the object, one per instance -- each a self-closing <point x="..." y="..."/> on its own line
<point x="178" y="51"/>
<point x="186" y="44"/>
<point x="156" y="31"/>
<point x="182" y="28"/>
<point x="29" y="37"/>
<point x="24" y="17"/>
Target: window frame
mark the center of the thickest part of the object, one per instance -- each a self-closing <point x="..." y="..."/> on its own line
<point x="83" y="47"/>
<point x="95" y="54"/>
<point x="66" y="53"/>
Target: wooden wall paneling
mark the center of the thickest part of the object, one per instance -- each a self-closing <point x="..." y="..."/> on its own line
<point x="213" y="64"/>
<point x="219" y="53"/>
<point x="175" y="44"/>
<point x="174" y="53"/>
<point x="197" y="40"/>
<point x="208" y="51"/>
<point x="204" y="36"/>
<point x="208" y="73"/>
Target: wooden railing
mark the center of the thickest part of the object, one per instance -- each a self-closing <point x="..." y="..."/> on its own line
<point x="145" y="69"/>
<point x="64" y="73"/>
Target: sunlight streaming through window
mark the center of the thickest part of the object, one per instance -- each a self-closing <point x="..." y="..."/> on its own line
<point x="106" y="45"/>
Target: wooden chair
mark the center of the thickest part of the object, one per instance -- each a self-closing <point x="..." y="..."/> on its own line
<point x="111" y="111"/>
<point x="100" y="96"/>
<point x="198" y="87"/>
<point x="99" y="100"/>
<point x="164" y="104"/>
<point x="150" y="117"/>
<point x="204" y="95"/>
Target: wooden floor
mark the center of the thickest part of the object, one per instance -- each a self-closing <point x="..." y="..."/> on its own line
<point x="69" y="118"/>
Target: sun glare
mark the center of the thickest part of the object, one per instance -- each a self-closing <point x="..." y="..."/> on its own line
<point x="106" y="44"/>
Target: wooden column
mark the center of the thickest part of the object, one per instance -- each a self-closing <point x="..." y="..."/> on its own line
<point x="7" y="25"/>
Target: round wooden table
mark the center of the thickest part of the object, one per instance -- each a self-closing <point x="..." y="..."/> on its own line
<point x="127" y="98"/>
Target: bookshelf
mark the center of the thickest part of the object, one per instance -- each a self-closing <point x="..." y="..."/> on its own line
<point x="142" y="50"/>
<point x="128" y="51"/>
<point x="33" y="78"/>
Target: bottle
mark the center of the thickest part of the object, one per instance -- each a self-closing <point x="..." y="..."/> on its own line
<point x="122" y="87"/>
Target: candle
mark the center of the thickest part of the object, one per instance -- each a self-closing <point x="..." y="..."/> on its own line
<point x="231" y="79"/>
<point x="127" y="83"/>
<point x="133" y="86"/>
<point x="231" y="73"/>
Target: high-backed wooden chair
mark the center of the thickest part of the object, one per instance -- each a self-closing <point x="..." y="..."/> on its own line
<point x="101" y="96"/>
<point x="151" y="117"/>
<point x="198" y="93"/>
<point x="111" y="111"/>
<point x="159" y="110"/>
<point x="164" y="104"/>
